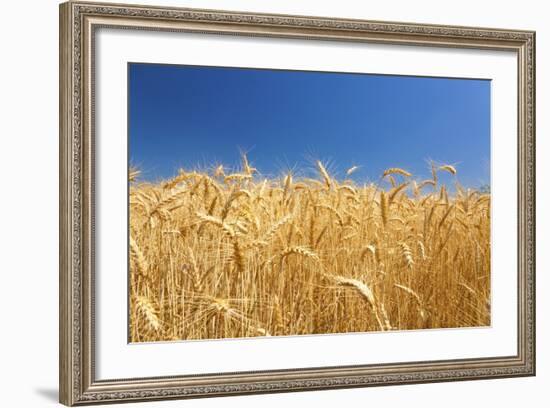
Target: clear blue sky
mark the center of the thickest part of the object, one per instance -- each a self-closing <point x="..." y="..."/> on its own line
<point x="189" y="117"/>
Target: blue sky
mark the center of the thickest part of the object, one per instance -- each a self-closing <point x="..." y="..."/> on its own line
<point x="195" y="117"/>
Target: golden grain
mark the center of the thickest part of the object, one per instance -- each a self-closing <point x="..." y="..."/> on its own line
<point x="222" y="255"/>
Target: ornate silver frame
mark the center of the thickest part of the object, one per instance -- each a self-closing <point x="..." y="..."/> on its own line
<point x="78" y="22"/>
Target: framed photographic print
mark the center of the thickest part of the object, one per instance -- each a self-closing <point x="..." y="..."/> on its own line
<point x="260" y="203"/>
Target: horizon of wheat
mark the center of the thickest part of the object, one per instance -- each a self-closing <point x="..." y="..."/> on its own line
<point x="224" y="255"/>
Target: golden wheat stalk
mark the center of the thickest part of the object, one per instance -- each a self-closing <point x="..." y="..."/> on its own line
<point x="146" y="307"/>
<point x="210" y="219"/>
<point x="299" y="250"/>
<point x="364" y="291"/>
<point x="406" y="253"/>
<point x="448" y="168"/>
<point x="352" y="170"/>
<point x="416" y="297"/>
<point x="324" y="173"/>
<point x="396" y="170"/>
<point x="139" y="258"/>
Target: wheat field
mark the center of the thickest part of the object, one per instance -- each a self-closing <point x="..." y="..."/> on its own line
<point x="219" y="254"/>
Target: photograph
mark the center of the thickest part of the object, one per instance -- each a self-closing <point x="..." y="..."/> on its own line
<point x="267" y="202"/>
<point x="275" y="200"/>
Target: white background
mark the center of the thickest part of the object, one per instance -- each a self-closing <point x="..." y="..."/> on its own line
<point x="28" y="225"/>
<point x="117" y="359"/>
